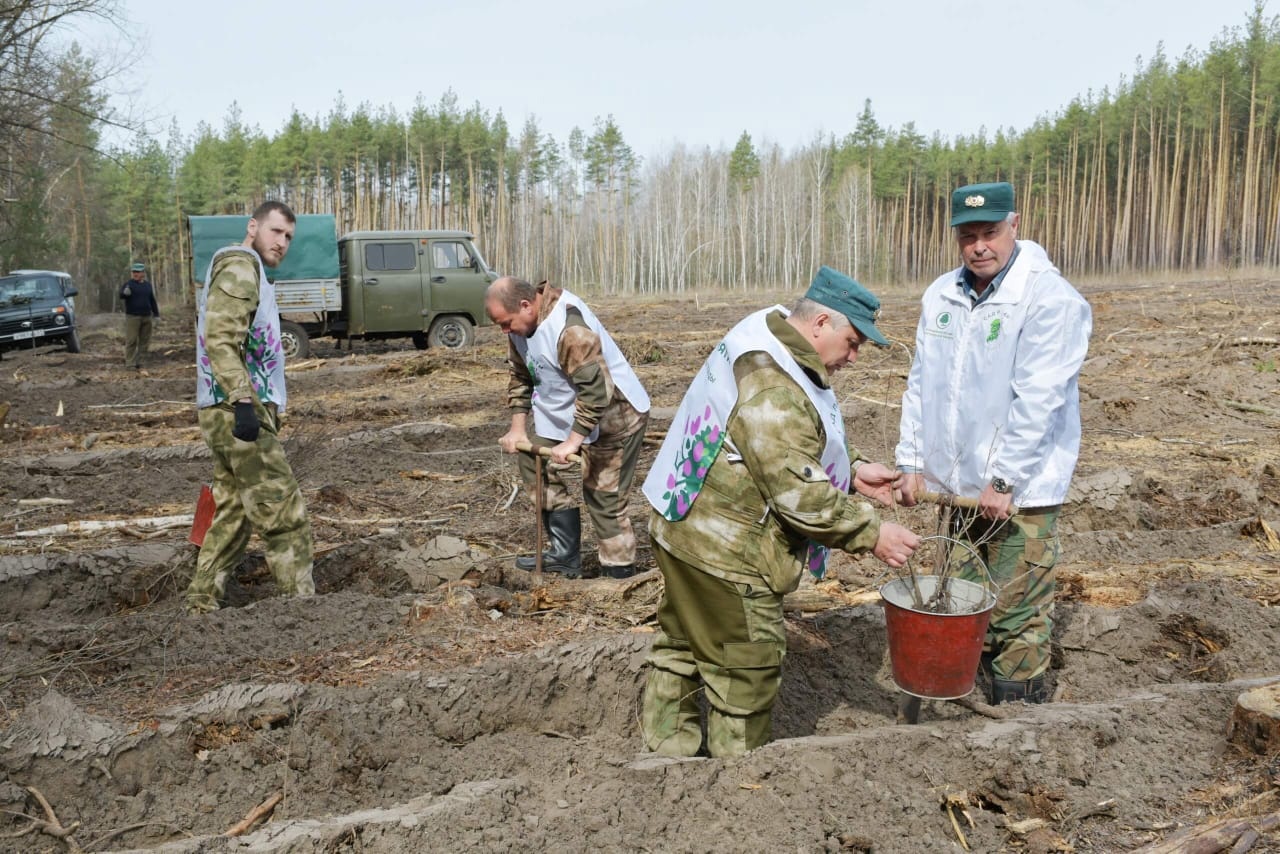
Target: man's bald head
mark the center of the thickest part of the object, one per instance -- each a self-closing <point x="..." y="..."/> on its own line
<point x="510" y="291"/>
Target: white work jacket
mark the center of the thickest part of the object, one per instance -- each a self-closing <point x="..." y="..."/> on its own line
<point x="993" y="388"/>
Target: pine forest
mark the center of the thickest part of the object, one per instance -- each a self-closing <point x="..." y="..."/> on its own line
<point x="1177" y="168"/>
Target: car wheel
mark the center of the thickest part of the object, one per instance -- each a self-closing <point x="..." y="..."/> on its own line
<point x="419" y="340"/>
<point x="452" y="332"/>
<point x="294" y="340"/>
<point x="73" y="341"/>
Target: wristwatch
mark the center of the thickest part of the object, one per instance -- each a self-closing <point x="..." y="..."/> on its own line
<point x="1001" y="485"/>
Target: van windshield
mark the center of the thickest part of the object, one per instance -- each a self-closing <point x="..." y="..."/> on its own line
<point x="16" y="290"/>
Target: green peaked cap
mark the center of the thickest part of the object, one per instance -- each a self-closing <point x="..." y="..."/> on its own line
<point x="982" y="203"/>
<point x="841" y="293"/>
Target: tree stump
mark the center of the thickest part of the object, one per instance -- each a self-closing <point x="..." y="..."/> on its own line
<point x="1255" y="721"/>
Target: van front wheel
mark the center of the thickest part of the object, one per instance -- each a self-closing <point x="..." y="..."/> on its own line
<point x="73" y="341"/>
<point x="294" y="340"/>
<point x="452" y="332"/>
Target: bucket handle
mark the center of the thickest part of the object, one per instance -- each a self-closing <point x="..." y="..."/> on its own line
<point x="991" y="586"/>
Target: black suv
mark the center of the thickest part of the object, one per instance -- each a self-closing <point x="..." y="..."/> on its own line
<point x="37" y="307"/>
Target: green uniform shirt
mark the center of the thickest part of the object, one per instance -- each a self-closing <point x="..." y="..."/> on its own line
<point x="755" y="514"/>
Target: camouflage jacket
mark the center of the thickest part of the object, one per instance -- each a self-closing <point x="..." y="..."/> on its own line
<point x="228" y="315"/>
<point x="759" y="507"/>
<point x="582" y="359"/>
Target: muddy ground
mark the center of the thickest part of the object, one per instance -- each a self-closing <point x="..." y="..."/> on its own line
<point x="433" y="698"/>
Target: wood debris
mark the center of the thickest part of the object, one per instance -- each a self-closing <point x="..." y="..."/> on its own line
<point x="96" y="526"/>
<point x="260" y="811"/>
<point x="419" y="474"/>
<point x="1236" y="835"/>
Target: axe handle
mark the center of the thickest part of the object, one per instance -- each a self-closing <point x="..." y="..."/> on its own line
<point x="528" y="448"/>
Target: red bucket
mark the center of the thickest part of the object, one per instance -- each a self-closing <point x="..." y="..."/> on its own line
<point x="936" y="656"/>
<point x="204" y="515"/>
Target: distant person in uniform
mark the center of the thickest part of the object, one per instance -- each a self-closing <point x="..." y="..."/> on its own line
<point x="240" y="392"/>
<point x="753" y="484"/>
<point x="585" y="398"/>
<point x="992" y="412"/>
<point x="139" y="308"/>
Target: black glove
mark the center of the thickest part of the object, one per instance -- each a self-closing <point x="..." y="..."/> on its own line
<point x="246" y="429"/>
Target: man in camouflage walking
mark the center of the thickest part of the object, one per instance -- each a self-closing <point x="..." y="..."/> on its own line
<point x="585" y="398"/>
<point x="750" y="487"/>
<point x="240" y="392"/>
<point x="992" y="411"/>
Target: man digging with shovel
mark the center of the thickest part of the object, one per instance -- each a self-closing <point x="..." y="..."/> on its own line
<point x="586" y="400"/>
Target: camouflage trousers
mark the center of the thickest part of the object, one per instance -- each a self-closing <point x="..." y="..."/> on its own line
<point x="137" y="338"/>
<point x="253" y="485"/>
<point x="726" y="637"/>
<point x="1020" y="553"/>
<point x="608" y="468"/>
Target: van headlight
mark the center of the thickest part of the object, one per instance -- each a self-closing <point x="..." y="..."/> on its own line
<point x="60" y="319"/>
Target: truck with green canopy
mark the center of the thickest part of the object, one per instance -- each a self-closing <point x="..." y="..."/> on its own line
<point x="424" y="285"/>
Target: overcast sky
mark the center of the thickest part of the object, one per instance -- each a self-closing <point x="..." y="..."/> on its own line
<point x="695" y="72"/>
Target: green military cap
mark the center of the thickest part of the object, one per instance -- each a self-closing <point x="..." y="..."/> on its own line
<point x="840" y="293"/>
<point x="138" y="268"/>
<point x="982" y="203"/>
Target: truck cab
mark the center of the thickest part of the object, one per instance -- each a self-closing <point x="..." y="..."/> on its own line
<point x="430" y="283"/>
<point x="424" y="285"/>
<point x="38" y="307"/>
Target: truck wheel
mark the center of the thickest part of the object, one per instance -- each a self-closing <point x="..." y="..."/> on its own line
<point x="294" y="340"/>
<point x="73" y="342"/>
<point x="419" y="340"/>
<point x="451" y="331"/>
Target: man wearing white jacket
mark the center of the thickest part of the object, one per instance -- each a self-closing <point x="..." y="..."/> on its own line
<point x="992" y="411"/>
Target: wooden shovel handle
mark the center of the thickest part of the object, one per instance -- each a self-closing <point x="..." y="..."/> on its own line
<point x="948" y="500"/>
<point x="528" y="448"/>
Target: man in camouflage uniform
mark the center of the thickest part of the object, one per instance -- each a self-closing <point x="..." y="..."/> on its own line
<point x="585" y="399"/>
<point x="750" y="487"/>
<point x="241" y="397"/>
<point x="992" y="411"/>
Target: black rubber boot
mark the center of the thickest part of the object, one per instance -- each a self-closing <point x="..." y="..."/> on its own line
<point x="564" y="544"/>
<point x="624" y="571"/>
<point x="1012" y="691"/>
<point x="528" y="564"/>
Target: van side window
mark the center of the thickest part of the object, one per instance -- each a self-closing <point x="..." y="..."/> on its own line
<point x="390" y="256"/>
<point x="450" y="255"/>
<point x="41" y="288"/>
